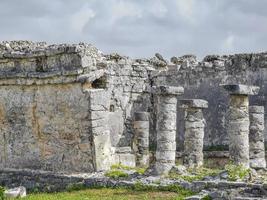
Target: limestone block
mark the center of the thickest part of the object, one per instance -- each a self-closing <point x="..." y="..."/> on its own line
<point x="17" y="192"/>
<point x="167" y="90"/>
<point x="102" y="149"/>
<point x="239" y="89"/>
<point x="193" y="103"/>
<point x="126" y="159"/>
<point x="116" y="126"/>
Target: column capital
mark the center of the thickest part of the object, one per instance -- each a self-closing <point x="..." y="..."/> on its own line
<point x="193" y="103"/>
<point x="167" y="90"/>
<point x="141" y="116"/>
<point x="239" y="89"/>
<point x="256" y="109"/>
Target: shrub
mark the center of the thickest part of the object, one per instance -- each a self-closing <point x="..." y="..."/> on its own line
<point x="196" y="174"/>
<point x="236" y="172"/>
<point x="2" y="193"/>
<point x="207" y="197"/>
<point x="116" y="174"/>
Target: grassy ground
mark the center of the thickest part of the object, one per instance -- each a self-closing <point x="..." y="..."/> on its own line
<point x="107" y="194"/>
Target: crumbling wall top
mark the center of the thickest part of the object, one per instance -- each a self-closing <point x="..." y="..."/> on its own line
<point x="29" y="49"/>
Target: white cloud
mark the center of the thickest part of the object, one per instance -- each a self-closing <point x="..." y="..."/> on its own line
<point x="139" y="28"/>
<point x="80" y="18"/>
<point x="228" y="43"/>
<point x="121" y="9"/>
<point x="186" y="9"/>
<point x="158" y="9"/>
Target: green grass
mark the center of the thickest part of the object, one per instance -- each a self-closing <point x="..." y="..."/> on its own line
<point x="116" y="174"/>
<point x="236" y="172"/>
<point x="171" y="193"/>
<point x="196" y="174"/>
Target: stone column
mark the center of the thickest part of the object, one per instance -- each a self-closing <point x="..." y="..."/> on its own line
<point x="141" y="128"/>
<point x="100" y="134"/>
<point x="166" y="127"/>
<point x="238" y="122"/>
<point x="256" y="137"/>
<point x="194" y="131"/>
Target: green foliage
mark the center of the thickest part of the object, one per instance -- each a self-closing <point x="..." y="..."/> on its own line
<point x="75" y="187"/>
<point x="2" y="193"/>
<point x="207" y="197"/>
<point x="196" y="174"/>
<point x="216" y="148"/>
<point x="236" y="172"/>
<point x="116" y="174"/>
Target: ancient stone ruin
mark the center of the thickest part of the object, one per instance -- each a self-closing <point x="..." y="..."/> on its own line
<point x="72" y="109"/>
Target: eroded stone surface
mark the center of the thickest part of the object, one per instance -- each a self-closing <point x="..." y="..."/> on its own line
<point x="166" y="128"/>
<point x="141" y="141"/>
<point x="238" y="129"/>
<point x="194" y="132"/>
<point x="256" y="137"/>
<point x="241" y="89"/>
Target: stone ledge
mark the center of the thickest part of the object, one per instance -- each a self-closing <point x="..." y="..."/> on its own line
<point x="239" y="89"/>
<point x="167" y="90"/>
<point x="51" y="182"/>
<point x="256" y="109"/>
<point x="193" y="103"/>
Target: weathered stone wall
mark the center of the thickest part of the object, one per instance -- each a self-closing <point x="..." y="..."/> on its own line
<point x="203" y="79"/>
<point x="45" y="127"/>
<point x="44" y="109"/>
<point x="45" y="103"/>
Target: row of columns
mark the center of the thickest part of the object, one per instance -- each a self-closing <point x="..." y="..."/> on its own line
<point x="246" y="136"/>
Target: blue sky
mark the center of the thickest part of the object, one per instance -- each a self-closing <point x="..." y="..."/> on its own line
<point x="140" y="28"/>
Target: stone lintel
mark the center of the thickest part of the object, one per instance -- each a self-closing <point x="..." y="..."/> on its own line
<point x="256" y="109"/>
<point x="239" y="89"/>
<point x="193" y="103"/>
<point x="141" y="116"/>
<point x="167" y="90"/>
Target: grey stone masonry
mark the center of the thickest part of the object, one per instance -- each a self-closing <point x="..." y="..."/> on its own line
<point x="194" y="131"/>
<point x="256" y="137"/>
<point x="166" y="127"/>
<point x="238" y="122"/>
<point x="99" y="104"/>
<point x="141" y="127"/>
